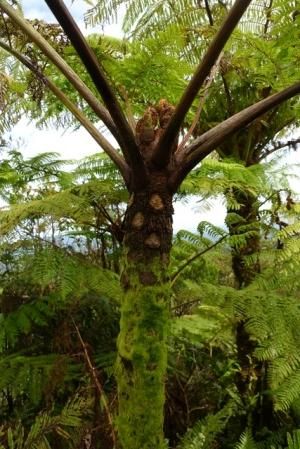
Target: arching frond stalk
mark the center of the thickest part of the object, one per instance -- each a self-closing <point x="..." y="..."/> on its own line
<point x="85" y="122"/>
<point x="164" y="149"/>
<point x="93" y="67"/>
<point x="207" y="142"/>
<point x="60" y="63"/>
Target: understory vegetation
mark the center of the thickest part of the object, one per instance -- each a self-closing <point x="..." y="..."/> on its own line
<point x="60" y="300"/>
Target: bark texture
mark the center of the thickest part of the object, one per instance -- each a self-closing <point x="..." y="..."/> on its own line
<point x="142" y="349"/>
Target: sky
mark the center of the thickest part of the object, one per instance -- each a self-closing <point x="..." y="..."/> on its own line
<point x="38" y="9"/>
<point x="77" y="144"/>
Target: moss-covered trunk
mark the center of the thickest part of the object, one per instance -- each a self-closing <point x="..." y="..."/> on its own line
<point x="142" y="350"/>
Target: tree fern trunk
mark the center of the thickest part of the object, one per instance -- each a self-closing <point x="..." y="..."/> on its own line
<point x="251" y="378"/>
<point x="245" y="257"/>
<point x="142" y="350"/>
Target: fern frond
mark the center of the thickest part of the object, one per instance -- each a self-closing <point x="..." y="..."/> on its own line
<point x="47" y="425"/>
<point x="31" y="374"/>
<point x="272" y="321"/>
<point x="293" y="440"/>
<point x="246" y="441"/>
<point x="204" y="433"/>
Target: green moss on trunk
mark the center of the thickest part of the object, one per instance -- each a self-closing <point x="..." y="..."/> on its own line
<point x="142" y="342"/>
<point x="141" y="368"/>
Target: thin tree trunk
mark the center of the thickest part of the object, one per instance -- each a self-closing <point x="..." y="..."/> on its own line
<point x="245" y="266"/>
<point x="142" y="349"/>
<point x="245" y="258"/>
<point x="251" y="378"/>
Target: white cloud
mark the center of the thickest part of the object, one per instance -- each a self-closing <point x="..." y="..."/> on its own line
<point x="69" y="144"/>
<point x="188" y="214"/>
<point x="35" y="9"/>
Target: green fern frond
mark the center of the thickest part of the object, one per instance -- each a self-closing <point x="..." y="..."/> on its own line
<point x="71" y="277"/>
<point x="209" y="322"/>
<point x="215" y="232"/>
<point x="218" y="177"/>
<point x="46" y="425"/>
<point x="246" y="441"/>
<point x="272" y="321"/>
<point x="288" y="391"/>
<point x="204" y="433"/>
<point x="21" y="321"/>
<point x="75" y="204"/>
<point x="31" y="374"/>
<point x="293" y="440"/>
